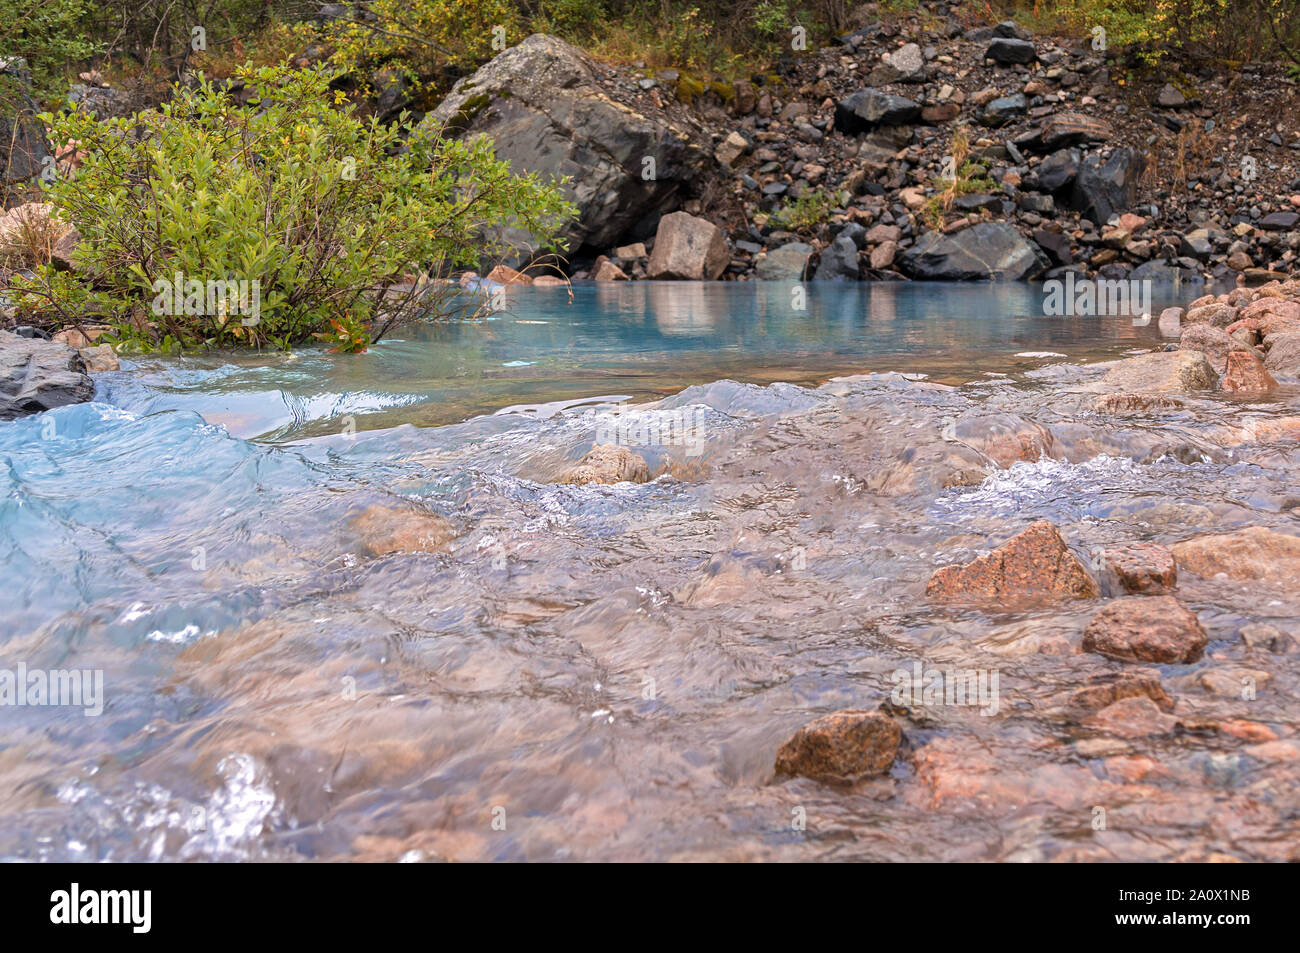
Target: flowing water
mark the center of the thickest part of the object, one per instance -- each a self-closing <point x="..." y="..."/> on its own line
<point x="340" y="612"/>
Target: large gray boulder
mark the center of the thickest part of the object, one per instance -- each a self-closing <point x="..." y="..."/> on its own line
<point x="544" y="108"/>
<point x="990" y="250"/>
<point x="1105" y="188"/>
<point x="37" y="375"/>
<point x="24" y="153"/>
<point x="787" y="263"/>
<point x="869" y="108"/>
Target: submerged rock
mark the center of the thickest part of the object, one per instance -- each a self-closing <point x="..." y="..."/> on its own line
<point x="1141" y="567"/>
<point x="380" y="530"/>
<point x="1254" y="553"/>
<point x="1110" y="688"/>
<point x="842" y="747"/>
<point x="1034" y="564"/>
<point x="1146" y="629"/>
<point x="1164" y="372"/>
<point x="608" y="463"/>
<point x="38" y="375"/>
<point x="1245" y="374"/>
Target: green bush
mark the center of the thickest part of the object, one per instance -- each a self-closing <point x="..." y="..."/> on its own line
<point x="51" y="36"/>
<point x="289" y="192"/>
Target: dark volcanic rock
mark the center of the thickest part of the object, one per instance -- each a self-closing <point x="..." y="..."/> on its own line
<point x="868" y="108"/>
<point x="37" y="375"/>
<point x="843" y="747"/>
<point x="1006" y="51"/>
<point x="1102" y="189"/>
<point x="1057" y="171"/>
<point x="542" y="104"/>
<point x="1003" y="110"/>
<point x="839" y="261"/>
<point x="993" y="250"/>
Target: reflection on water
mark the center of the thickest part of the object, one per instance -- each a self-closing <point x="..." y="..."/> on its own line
<point x="644" y="339"/>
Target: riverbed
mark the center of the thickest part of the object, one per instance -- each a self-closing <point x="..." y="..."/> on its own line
<point x="341" y="611"/>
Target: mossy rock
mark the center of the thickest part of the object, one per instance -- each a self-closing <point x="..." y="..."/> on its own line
<point x="688" y="87"/>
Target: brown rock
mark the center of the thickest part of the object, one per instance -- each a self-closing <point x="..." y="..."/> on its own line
<point x="882" y="256"/>
<point x="1111" y="688"/>
<point x="1146" y="629"/>
<point x="548" y="281"/>
<point x="1034" y="564"/>
<point x="1217" y="314"/>
<point x="1171" y="322"/>
<point x="1245" y="374"/>
<point x="505" y="275"/>
<point x="1132" y="718"/>
<point x="387" y="529"/>
<point x="1164" y="372"/>
<point x="100" y="359"/>
<point x="1213" y="342"/>
<point x="606" y="270"/>
<point x="1141" y="567"/>
<point x="1284" y="355"/>
<point x="608" y="463"/>
<point x="842" y="747"/>
<point x="1253" y="553"/>
<point x="688" y="249"/>
<point x="1240" y="683"/>
<point x="1127" y="403"/>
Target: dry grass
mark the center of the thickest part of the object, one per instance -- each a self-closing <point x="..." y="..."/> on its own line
<point x="29" y="235"/>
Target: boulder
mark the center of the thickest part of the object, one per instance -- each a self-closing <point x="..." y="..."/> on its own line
<point x="542" y="104"/>
<point x="731" y="148"/>
<point x="1004" y="109"/>
<point x="1146" y="629"/>
<point x="839" y="261"/>
<point x="903" y="65"/>
<point x="1164" y="372"/>
<point x="1006" y="51"/>
<point x="1033" y="565"/>
<point x="1057" y="171"/>
<point x="102" y="103"/>
<point x="379" y="530"/>
<point x="1105" y="188"/>
<point x="38" y="375"/>
<point x="868" y="108"/>
<point x="1284" y="355"/>
<point x="1214" y="343"/>
<point x="843" y="747"/>
<point x="1245" y="374"/>
<point x="608" y="463"/>
<point x="989" y="250"/>
<point x="688" y="249"/>
<point x="787" y="263"/>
